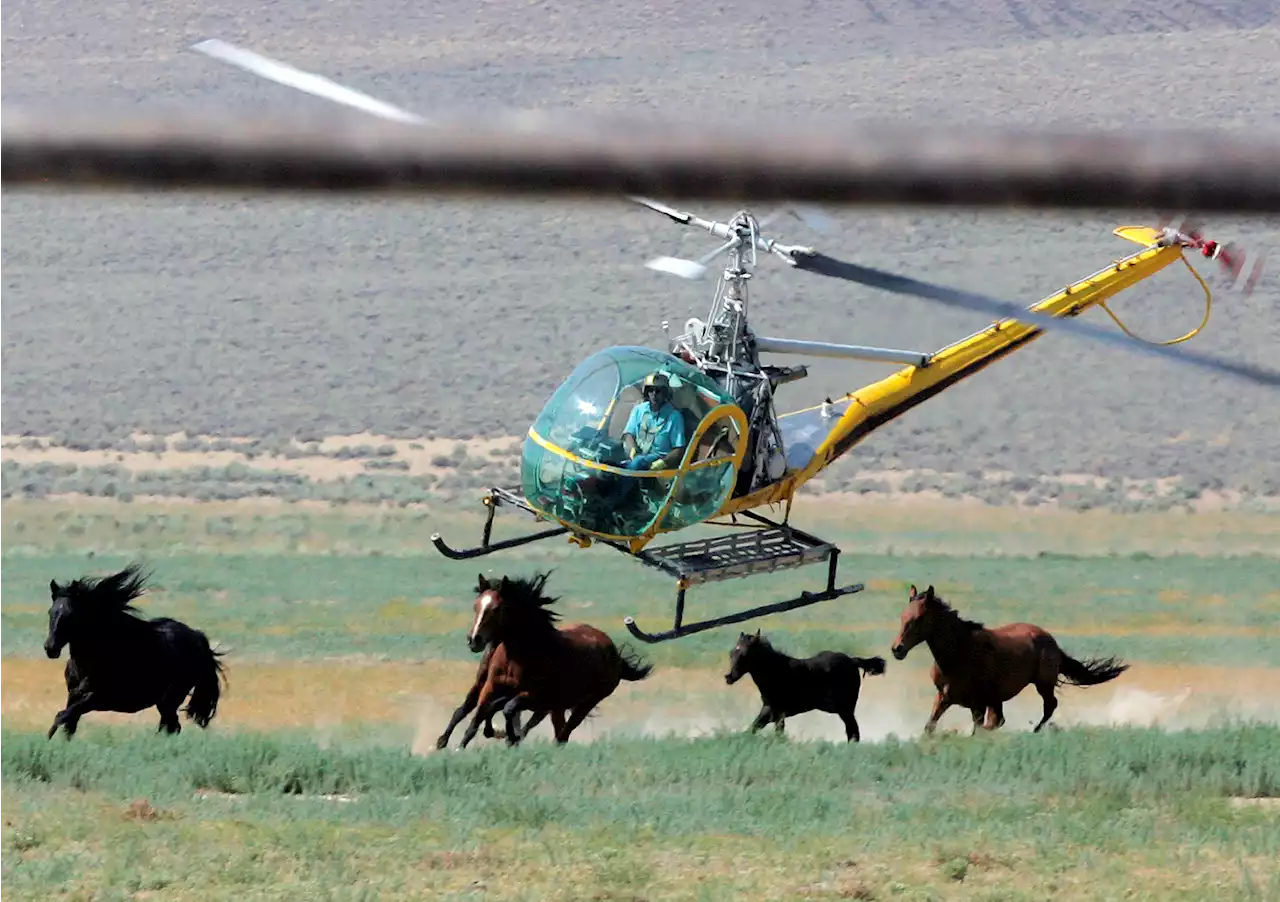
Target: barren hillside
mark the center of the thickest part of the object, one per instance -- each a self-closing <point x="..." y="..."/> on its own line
<point x="247" y="317"/>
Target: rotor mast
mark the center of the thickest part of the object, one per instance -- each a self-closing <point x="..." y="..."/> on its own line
<point x="729" y="342"/>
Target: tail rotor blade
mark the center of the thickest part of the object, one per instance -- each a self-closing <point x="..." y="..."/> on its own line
<point x="1243" y="266"/>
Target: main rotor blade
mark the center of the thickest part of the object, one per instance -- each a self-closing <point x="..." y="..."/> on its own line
<point x="967" y="300"/>
<point x="309" y="82"/>
<point x="678" y="215"/>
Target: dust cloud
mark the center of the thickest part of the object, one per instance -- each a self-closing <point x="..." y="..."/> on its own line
<point x="898" y="710"/>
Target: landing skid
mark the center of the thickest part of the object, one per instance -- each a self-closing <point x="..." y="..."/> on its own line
<point x="765" y="548"/>
<point x="495" y="498"/>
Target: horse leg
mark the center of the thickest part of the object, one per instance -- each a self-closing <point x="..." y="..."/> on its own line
<point x="468" y="704"/>
<point x="576" y="716"/>
<point x="851" y="731"/>
<point x="995" y="717"/>
<point x="763" y="718"/>
<point x="488" y="702"/>
<point x="168" y="705"/>
<point x="779" y="724"/>
<point x="169" y="722"/>
<point x="79" y="703"/>
<point x="940" y="706"/>
<point x="491" y="733"/>
<point x="537" y="718"/>
<point x="977" y="713"/>
<point x="484" y="715"/>
<point x="511" y="711"/>
<point x="1050" y="703"/>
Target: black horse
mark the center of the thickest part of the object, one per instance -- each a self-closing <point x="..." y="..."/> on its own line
<point x="829" y="681"/>
<point x="120" y="661"/>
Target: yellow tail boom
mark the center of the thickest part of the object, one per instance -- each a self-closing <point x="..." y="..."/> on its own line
<point x="880" y="402"/>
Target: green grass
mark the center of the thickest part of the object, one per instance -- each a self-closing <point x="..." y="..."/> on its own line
<point x="1174" y="610"/>
<point x="1085" y="811"/>
<point x="344" y="810"/>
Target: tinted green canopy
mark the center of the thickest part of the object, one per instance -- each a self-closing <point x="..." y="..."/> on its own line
<point x="581" y="426"/>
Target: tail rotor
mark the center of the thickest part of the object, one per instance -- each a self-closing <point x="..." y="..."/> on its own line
<point x="1242" y="266"/>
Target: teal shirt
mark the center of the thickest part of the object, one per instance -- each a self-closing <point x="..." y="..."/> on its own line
<point x="656" y="433"/>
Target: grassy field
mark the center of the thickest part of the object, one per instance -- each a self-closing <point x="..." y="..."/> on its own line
<point x="1087" y="814"/>
<point x="319" y="777"/>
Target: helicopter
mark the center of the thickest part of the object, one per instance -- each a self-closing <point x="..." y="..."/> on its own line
<point x="736" y="452"/>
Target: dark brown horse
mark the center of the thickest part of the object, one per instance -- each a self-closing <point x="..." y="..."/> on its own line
<point x="555" y="669"/>
<point x="496" y="669"/>
<point x="981" y="669"/>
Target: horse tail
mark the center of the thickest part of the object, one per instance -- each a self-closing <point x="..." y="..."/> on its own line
<point x="208" y="689"/>
<point x="1090" y="672"/>
<point x="634" y="667"/>
<point x="870" y="666"/>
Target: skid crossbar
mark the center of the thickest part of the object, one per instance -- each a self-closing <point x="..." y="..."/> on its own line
<point x="766" y="547"/>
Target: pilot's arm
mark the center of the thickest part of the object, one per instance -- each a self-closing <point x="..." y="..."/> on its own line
<point x="629" y="432"/>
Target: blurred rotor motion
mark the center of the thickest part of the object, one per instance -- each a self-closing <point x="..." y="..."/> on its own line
<point x="1243" y="266"/>
<point x="1244" y="269"/>
<point x="696" y="269"/>
<point x="554" y="153"/>
<point x="809" y="260"/>
<point x="308" y="82"/>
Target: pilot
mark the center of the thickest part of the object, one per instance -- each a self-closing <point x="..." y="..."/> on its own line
<point x="654" y="436"/>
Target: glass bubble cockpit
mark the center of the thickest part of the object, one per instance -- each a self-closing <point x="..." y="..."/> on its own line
<point x="576" y="469"/>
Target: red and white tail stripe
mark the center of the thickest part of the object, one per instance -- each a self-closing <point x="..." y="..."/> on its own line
<point x="1244" y="267"/>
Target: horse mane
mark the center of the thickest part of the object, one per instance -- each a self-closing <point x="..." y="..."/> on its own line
<point x="524" y="594"/>
<point x="110" y="594"/>
<point x="953" y="615"/>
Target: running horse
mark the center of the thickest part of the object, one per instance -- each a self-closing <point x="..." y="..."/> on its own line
<point x="550" y="670"/>
<point x="118" y="660"/>
<point x="981" y="669"/>
<point x="499" y="672"/>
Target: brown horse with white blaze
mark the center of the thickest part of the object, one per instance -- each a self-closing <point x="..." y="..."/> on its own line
<point x="981" y="669"/>
<point x="554" y="669"/>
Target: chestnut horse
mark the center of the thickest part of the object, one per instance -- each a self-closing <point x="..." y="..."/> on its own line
<point x="981" y="669"/>
<point x="499" y="670"/>
<point x="550" y="669"/>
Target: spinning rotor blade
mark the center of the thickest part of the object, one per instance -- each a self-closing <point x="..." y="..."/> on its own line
<point x="813" y="217"/>
<point x="310" y="83"/>
<point x="689" y="269"/>
<point x="851" y="272"/>
<point x="685" y="269"/>
<point x="1242" y="266"/>
<point x="678" y="215"/>
<point x="695" y="269"/>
